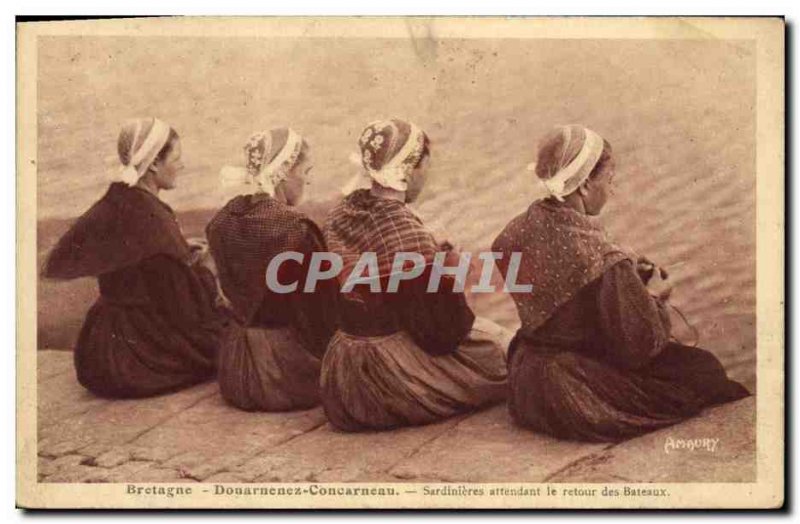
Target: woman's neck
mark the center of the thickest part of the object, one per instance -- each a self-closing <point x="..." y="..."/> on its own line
<point x="280" y="195"/>
<point x="387" y="192"/>
<point x="575" y="201"/>
<point x="146" y="183"/>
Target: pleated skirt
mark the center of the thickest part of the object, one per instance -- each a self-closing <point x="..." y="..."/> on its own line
<point x="267" y="369"/>
<point x="384" y="382"/>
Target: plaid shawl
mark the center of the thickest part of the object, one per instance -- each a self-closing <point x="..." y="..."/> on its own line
<point x="245" y="235"/>
<point x="127" y="225"/>
<point x="562" y="251"/>
<point x="363" y="222"/>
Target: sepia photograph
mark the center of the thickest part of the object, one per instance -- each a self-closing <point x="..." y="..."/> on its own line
<point x="400" y="262"/>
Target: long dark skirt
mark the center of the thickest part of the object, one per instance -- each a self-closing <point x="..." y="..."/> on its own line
<point x="130" y="352"/>
<point x="267" y="369"/>
<point x="572" y="396"/>
<point x="384" y="382"/>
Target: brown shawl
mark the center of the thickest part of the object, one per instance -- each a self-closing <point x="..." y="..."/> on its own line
<point x="127" y="225"/>
<point x="562" y="251"/>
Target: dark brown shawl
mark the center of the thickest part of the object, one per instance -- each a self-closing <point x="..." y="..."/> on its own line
<point x="127" y="225"/>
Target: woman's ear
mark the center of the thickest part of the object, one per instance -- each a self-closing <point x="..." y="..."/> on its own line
<point x="583" y="189"/>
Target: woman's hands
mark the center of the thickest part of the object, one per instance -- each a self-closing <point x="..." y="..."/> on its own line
<point x="198" y="248"/>
<point x="656" y="279"/>
<point x="659" y="285"/>
<point x="201" y="258"/>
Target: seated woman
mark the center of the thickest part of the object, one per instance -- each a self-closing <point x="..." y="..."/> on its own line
<point x="155" y="327"/>
<point x="270" y="356"/>
<point x="409" y="357"/>
<point x="593" y="359"/>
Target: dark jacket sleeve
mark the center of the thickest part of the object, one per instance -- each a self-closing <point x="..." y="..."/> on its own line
<point x="183" y="297"/>
<point x="314" y="315"/>
<point x="634" y="325"/>
<point x="437" y="321"/>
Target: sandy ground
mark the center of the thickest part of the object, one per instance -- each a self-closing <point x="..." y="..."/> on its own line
<point x="679" y="114"/>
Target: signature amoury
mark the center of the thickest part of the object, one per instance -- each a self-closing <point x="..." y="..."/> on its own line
<point x="691" y="444"/>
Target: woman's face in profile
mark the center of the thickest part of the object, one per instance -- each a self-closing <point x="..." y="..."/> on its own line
<point x="417" y="179"/>
<point x="599" y="188"/>
<point x="297" y="179"/>
<point x="166" y="170"/>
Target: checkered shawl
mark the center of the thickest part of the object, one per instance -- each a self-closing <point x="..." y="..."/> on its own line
<point x="245" y="235"/>
<point x="363" y="222"/>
